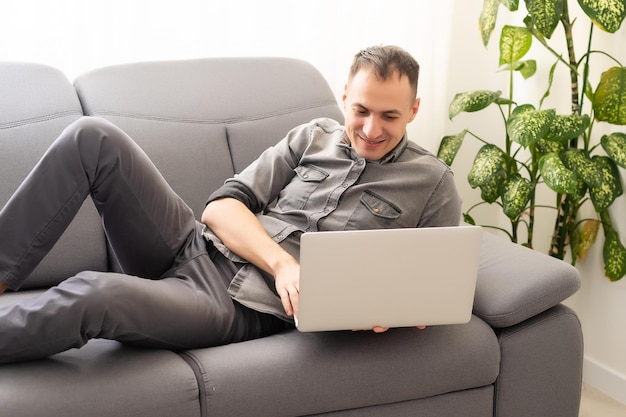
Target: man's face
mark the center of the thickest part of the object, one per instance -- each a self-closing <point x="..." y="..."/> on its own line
<point x="377" y="112"/>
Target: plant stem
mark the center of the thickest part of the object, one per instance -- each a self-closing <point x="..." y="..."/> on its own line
<point x="560" y="238"/>
<point x="586" y="69"/>
<point x="567" y="207"/>
<point x="514" y="227"/>
<point x="506" y="119"/>
<point x="534" y="176"/>
<point x="531" y="221"/>
<point x="606" y="222"/>
<point x="571" y="53"/>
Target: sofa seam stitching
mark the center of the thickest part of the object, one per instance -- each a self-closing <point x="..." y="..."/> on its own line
<point x="211" y="121"/>
<point x="198" y="371"/>
<point x="536" y="323"/>
<point x="39" y="119"/>
<point x="502" y="317"/>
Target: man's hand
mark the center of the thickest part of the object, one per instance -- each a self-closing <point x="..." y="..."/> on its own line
<point x="287" y="282"/>
<point x="3" y="287"/>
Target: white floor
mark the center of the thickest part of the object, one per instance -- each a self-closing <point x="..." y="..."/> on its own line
<point x="595" y="404"/>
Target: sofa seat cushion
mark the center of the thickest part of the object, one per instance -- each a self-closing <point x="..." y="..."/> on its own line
<point x="296" y="373"/>
<point x="477" y="402"/>
<point x="103" y="378"/>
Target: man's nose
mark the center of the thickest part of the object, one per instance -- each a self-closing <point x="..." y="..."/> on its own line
<point x="372" y="127"/>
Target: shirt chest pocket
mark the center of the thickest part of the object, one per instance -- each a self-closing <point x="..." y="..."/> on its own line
<point x="298" y="192"/>
<point x="374" y="212"/>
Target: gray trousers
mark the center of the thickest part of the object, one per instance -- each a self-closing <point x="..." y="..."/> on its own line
<point x="173" y="292"/>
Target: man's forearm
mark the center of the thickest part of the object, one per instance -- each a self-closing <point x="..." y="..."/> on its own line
<point x="242" y="233"/>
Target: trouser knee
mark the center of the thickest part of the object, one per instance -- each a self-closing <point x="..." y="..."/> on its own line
<point x="94" y="139"/>
<point x="95" y="298"/>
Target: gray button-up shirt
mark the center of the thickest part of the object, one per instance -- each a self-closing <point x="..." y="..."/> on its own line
<point x="313" y="180"/>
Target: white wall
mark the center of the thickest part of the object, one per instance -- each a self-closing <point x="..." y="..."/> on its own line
<point x="77" y="36"/>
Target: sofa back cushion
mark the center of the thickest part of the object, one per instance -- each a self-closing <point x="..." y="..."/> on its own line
<point x="201" y="121"/>
<point x="36" y="104"/>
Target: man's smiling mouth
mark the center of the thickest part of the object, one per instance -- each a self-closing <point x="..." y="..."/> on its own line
<point x="371" y="142"/>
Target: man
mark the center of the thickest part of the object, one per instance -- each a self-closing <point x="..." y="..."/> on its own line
<point x="235" y="276"/>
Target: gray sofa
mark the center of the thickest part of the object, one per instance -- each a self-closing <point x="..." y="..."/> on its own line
<point x="201" y="121"/>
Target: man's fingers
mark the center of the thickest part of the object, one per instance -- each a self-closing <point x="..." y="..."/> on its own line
<point x="379" y="329"/>
<point x="286" y="304"/>
<point x="295" y="299"/>
<point x="289" y="299"/>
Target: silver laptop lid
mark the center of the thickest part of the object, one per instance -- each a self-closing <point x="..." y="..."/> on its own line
<point x="389" y="278"/>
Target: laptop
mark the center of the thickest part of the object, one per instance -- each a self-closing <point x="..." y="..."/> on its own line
<point x="351" y="280"/>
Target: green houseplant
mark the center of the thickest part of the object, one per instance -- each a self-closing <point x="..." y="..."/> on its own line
<point x="543" y="148"/>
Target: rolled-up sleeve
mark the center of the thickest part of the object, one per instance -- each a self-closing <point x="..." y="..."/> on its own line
<point x="262" y="181"/>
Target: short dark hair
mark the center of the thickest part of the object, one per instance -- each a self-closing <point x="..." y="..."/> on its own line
<point x="385" y="61"/>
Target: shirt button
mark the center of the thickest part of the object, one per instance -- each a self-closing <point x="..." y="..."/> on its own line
<point x="376" y="210"/>
<point x="305" y="176"/>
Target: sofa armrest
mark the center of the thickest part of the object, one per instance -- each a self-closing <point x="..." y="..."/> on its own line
<point x="516" y="283"/>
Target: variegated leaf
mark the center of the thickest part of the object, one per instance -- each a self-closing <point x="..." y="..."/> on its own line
<point x="566" y="127"/>
<point x="615" y="146"/>
<point x="491" y="189"/>
<point x="528" y="126"/>
<point x="578" y="161"/>
<point x="488" y="162"/>
<point x="547" y="146"/>
<point x="487" y="19"/>
<point x="610" y="186"/>
<point x="587" y="237"/>
<point x="469" y="219"/>
<point x="614" y="255"/>
<point x="545" y="14"/>
<point x="449" y="147"/>
<point x="608" y="15"/>
<point x="472" y="101"/>
<point x="526" y="68"/>
<point x="501" y="101"/>
<point x="557" y="176"/>
<point x="550" y="81"/>
<point x="516" y="196"/>
<point x="515" y="42"/>
<point x="512" y="5"/>
<point x="609" y="100"/>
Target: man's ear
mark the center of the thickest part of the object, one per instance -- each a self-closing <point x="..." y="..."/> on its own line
<point x="345" y="94"/>
<point x="414" y="108"/>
